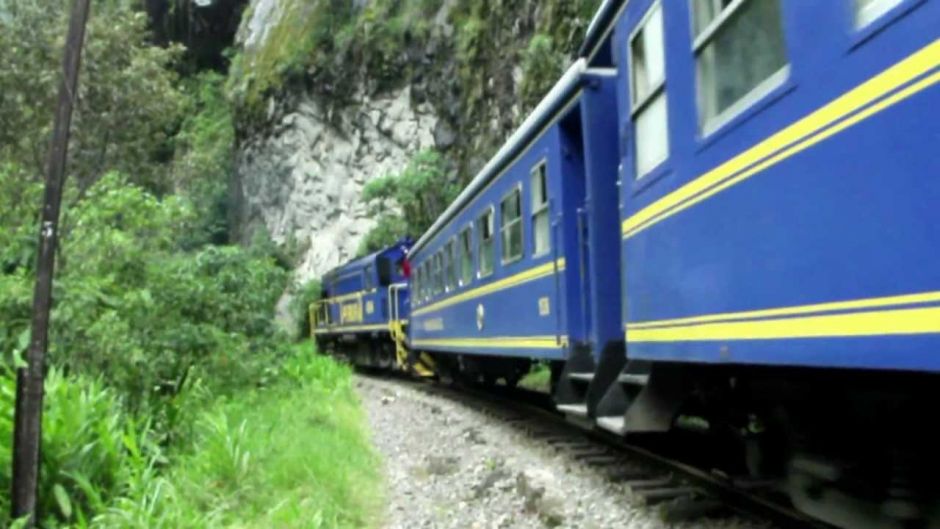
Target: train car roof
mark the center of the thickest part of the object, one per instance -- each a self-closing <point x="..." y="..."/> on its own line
<point x="546" y="110"/>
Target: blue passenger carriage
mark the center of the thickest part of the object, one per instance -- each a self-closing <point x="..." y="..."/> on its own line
<point x="501" y="277"/>
<point x="779" y="236"/>
<point x="363" y="302"/>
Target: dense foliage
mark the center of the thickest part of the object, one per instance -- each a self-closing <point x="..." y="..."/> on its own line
<point x="169" y="383"/>
<point x="129" y="100"/>
<point x="407" y="203"/>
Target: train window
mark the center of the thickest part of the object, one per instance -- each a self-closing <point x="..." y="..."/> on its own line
<point x="416" y="285"/>
<point x="466" y="256"/>
<point x="485" y="231"/>
<point x="740" y="55"/>
<point x="541" y="229"/>
<point x="510" y="228"/>
<point x="437" y="279"/>
<point x="867" y="11"/>
<point x="450" y="265"/>
<point x="648" y="91"/>
<point x="426" y="280"/>
<point x="368" y="278"/>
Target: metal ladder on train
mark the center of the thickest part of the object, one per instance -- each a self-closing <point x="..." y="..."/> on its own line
<point x="420" y="364"/>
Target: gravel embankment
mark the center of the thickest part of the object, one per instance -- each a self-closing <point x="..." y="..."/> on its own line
<point x="449" y="466"/>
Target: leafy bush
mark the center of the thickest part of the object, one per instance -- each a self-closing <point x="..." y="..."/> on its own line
<point x="245" y="467"/>
<point x="203" y="156"/>
<point x="303" y="297"/>
<point x="407" y="203"/>
<point x="542" y="65"/>
<point x="132" y="307"/>
<point x="92" y="449"/>
<point x="128" y="103"/>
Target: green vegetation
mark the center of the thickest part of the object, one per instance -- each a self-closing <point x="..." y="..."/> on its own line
<point x="323" y="42"/>
<point x="303" y="296"/>
<point x="538" y="379"/>
<point x="336" y="52"/>
<point x="407" y="203"/>
<point x="542" y="65"/>
<point x="172" y="399"/>
<point x="247" y="468"/>
<point x="240" y="464"/>
<point x="129" y="100"/>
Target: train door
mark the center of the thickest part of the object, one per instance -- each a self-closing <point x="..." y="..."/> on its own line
<point x="575" y="196"/>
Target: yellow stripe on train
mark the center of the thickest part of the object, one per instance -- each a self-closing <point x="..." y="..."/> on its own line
<point x="797" y="137"/>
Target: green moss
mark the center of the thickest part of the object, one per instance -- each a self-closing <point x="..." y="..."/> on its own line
<point x="331" y="44"/>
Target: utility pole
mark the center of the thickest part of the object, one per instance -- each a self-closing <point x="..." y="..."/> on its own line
<point x="27" y="433"/>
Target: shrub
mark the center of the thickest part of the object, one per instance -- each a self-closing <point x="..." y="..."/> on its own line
<point x="303" y="297"/>
<point x="407" y="203"/>
<point x="92" y="449"/>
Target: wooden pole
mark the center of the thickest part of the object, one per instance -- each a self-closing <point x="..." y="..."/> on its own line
<point x="27" y="433"/>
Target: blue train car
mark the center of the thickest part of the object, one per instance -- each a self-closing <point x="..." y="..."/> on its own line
<point x="503" y="273"/>
<point x="363" y="303"/>
<point x="787" y="217"/>
<point x="779" y="237"/>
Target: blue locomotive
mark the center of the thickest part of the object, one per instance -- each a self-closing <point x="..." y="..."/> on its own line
<point x="722" y="219"/>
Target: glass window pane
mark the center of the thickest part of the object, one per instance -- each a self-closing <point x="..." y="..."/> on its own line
<point x="648" y="56"/>
<point x="541" y="241"/>
<point x="515" y="240"/>
<point x="511" y="228"/>
<point x="509" y="208"/>
<point x="704" y="12"/>
<point x="539" y="190"/>
<point x="466" y="257"/>
<point x="868" y="10"/>
<point x="485" y="229"/>
<point x="652" y="138"/>
<point x="542" y="232"/>
<point x="745" y="51"/>
<point x="450" y="264"/>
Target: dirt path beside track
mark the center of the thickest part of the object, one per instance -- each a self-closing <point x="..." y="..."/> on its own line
<point x="450" y="466"/>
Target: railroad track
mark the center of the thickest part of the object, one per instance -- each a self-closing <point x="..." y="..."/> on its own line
<point x="675" y="490"/>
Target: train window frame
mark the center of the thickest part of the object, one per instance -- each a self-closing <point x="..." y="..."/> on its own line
<point x="504" y="227"/>
<point x="465" y="277"/>
<point x="702" y="38"/>
<point x="490" y="214"/>
<point x="655" y="97"/>
<point x="450" y="265"/>
<point x="538" y="179"/>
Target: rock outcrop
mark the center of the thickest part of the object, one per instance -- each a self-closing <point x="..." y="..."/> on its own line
<point x="303" y="181"/>
<point x="453" y="84"/>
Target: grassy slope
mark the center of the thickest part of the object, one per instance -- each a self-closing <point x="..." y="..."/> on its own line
<point x="294" y="456"/>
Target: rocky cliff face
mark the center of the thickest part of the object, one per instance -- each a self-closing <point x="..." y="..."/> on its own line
<point x="460" y="82"/>
<point x="303" y="180"/>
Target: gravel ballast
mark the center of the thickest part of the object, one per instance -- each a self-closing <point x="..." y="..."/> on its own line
<point x="450" y="466"/>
